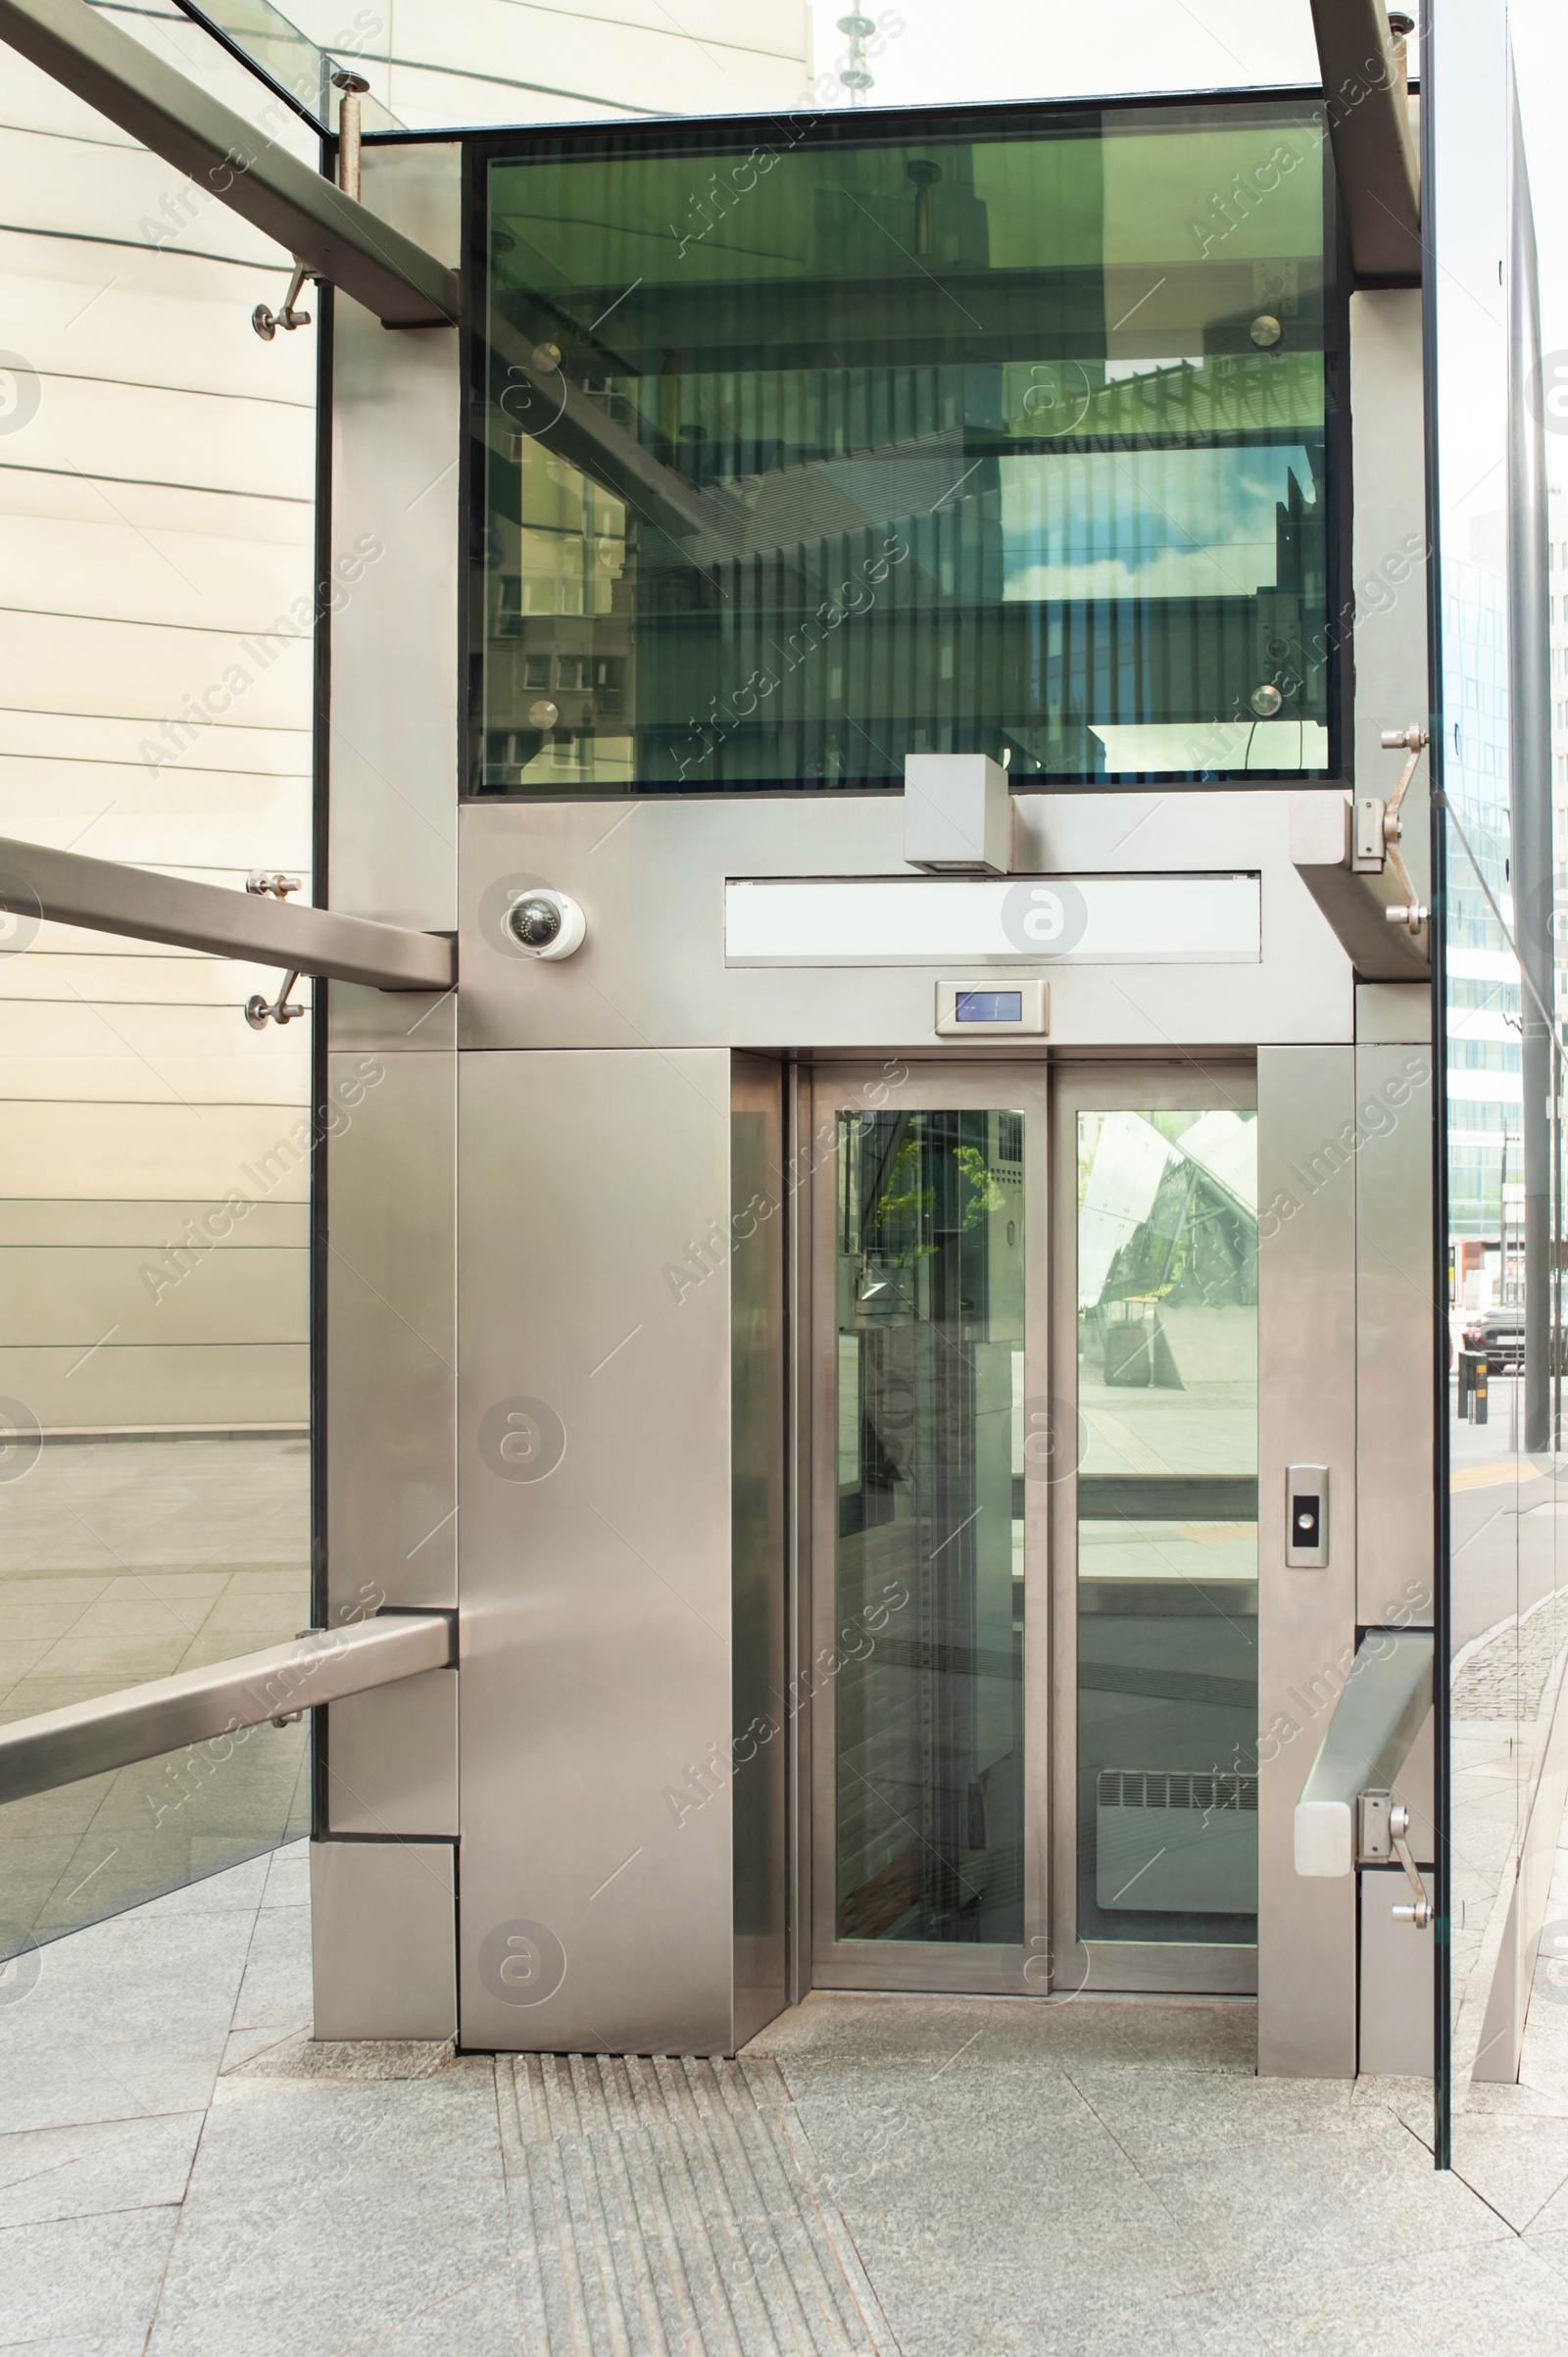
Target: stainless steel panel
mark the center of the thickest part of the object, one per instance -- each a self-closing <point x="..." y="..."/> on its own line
<point x="1390" y="1015"/>
<point x="394" y="746"/>
<point x="381" y="1940"/>
<point x="105" y="896"/>
<point x="651" y="971"/>
<point x="111" y="1731"/>
<point x="1374" y="146"/>
<point x="594" y="1474"/>
<point x="1306" y="1619"/>
<point x="1354" y="905"/>
<point x="1396" y="1993"/>
<point x="229" y="158"/>
<point x="391" y="1347"/>
<point x="759" y="1210"/>
<point x="1395" y="1112"/>
<point x="391" y="1758"/>
<point x="1388" y="549"/>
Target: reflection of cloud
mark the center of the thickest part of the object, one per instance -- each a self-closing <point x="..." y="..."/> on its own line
<point x="1171" y="523"/>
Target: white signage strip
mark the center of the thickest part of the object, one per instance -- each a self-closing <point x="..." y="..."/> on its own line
<point x="1075" y="920"/>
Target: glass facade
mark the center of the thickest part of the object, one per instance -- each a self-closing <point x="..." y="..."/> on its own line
<point x="808" y="445"/>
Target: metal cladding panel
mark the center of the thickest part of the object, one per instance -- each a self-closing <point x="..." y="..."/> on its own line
<point x="1394" y="1113"/>
<point x="381" y="1938"/>
<point x="391" y="1353"/>
<point x="394" y="589"/>
<point x="651" y="971"/>
<point x="1306" y="1619"/>
<point x="1388" y="549"/>
<point x="594" y="1588"/>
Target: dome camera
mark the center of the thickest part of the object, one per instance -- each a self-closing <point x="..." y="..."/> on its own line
<point x="547" y="924"/>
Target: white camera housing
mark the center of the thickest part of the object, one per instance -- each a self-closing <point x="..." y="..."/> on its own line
<point x="571" y="934"/>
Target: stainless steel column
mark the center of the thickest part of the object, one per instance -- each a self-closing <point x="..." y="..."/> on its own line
<point x="1306" y="1979"/>
<point x="383" y="1864"/>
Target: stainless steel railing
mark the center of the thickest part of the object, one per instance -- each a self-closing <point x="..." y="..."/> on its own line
<point x="139" y="1722"/>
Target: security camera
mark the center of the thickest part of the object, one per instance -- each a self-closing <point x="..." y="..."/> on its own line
<point x="547" y="924"/>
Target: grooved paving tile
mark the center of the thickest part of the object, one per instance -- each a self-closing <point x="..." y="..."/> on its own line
<point x="666" y="2206"/>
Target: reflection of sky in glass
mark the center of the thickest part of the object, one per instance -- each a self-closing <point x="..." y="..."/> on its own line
<point x="1146" y="524"/>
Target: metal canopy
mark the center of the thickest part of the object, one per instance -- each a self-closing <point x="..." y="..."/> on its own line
<point x="69" y="889"/>
<point x="335" y="236"/>
<point x="1374" y="146"/>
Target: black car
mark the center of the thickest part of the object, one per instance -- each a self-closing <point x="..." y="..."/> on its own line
<point x="1500" y="1333"/>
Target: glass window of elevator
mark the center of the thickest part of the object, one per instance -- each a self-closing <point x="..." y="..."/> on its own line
<point x="804" y="446"/>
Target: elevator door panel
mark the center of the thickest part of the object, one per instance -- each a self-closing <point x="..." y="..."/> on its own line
<point x="1034" y="1678"/>
<point x="929" y="1332"/>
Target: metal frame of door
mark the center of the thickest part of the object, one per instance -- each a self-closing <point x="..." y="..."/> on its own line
<point x="1165" y="1966"/>
<point x="1051" y="1958"/>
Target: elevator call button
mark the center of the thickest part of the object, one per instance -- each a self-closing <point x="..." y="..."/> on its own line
<point x="1306" y="1517"/>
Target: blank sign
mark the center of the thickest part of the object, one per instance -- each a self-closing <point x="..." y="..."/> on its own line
<point x="1078" y="921"/>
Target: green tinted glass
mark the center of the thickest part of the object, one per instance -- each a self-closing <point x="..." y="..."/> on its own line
<point x="806" y="455"/>
<point x="928" y="1689"/>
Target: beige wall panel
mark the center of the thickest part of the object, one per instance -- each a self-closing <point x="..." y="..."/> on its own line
<point x="44" y="183"/>
<point x="140" y="1390"/>
<point x="163" y="1078"/>
<point x="51" y="1222"/>
<point x="120" y="977"/>
<point x="211" y="586"/>
<point x="64" y="1027"/>
<point x="242" y="748"/>
<point x="149" y="318"/>
<point x="657" y="65"/>
<point x="154" y="433"/>
<point x="70" y="663"/>
<point x="119" y="1149"/>
<point x="119" y="810"/>
<point x="76" y="1296"/>
<point x="29" y="488"/>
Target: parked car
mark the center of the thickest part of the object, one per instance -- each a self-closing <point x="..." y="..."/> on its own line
<point x="1500" y="1333"/>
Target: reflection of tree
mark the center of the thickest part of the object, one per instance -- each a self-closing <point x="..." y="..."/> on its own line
<point x="985" y="1188"/>
<point x="903" y="1208"/>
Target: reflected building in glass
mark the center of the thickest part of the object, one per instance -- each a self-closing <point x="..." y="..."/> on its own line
<point x="805" y="452"/>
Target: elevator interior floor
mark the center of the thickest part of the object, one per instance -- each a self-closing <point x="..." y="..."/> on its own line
<point x="183" y="2171"/>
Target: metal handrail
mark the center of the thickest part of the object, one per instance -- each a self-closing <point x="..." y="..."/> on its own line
<point x="139" y="1722"/>
<point x="1377" y="1716"/>
<point x="68" y="888"/>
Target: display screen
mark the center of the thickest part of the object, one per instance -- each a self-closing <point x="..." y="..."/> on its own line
<point x="988" y="1006"/>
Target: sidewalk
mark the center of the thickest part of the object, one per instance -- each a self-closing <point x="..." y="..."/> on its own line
<point x="182" y="2172"/>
